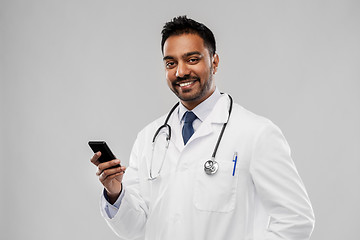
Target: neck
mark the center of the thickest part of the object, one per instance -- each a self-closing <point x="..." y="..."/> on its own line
<point x="190" y="105"/>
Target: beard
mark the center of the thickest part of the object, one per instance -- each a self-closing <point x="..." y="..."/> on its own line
<point x="194" y="93"/>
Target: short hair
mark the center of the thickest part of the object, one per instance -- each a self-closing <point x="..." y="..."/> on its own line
<point x="183" y="25"/>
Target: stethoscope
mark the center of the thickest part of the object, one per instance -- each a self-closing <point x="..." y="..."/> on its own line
<point x="210" y="166"/>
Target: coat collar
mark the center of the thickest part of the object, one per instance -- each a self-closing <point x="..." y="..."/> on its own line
<point x="203" y="110"/>
<point x="220" y="112"/>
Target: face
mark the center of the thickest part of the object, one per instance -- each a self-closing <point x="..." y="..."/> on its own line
<point x="189" y="68"/>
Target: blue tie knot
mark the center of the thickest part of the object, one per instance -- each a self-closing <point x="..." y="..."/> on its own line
<point x="188" y="129"/>
<point x="189" y="117"/>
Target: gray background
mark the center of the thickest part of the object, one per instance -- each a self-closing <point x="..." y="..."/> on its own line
<point x="72" y="71"/>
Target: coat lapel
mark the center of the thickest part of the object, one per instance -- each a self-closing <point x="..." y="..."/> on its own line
<point x="218" y="115"/>
<point x="176" y="136"/>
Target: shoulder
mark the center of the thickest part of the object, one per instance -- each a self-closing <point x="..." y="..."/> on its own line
<point x="240" y="113"/>
<point x="250" y="122"/>
<point x="149" y="130"/>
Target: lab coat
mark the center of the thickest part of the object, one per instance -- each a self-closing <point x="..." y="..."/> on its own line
<point x="264" y="200"/>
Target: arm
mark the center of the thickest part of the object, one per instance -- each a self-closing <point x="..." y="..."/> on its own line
<point x="130" y="219"/>
<point x="280" y="188"/>
<point x="107" y="208"/>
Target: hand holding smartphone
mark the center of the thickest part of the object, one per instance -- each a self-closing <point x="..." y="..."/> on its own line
<point x="110" y="178"/>
<point x="106" y="154"/>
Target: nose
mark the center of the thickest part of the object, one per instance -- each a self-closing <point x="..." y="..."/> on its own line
<point x="182" y="70"/>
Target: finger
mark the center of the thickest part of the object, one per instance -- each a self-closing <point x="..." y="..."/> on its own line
<point x="109" y="172"/>
<point x="120" y="176"/>
<point x="111" y="177"/>
<point x="106" y="165"/>
<point x="95" y="158"/>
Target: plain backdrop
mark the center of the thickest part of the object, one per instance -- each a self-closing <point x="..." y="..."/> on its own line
<point x="76" y="70"/>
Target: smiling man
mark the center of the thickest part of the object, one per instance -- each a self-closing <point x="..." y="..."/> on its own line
<point x="190" y="66"/>
<point x="209" y="169"/>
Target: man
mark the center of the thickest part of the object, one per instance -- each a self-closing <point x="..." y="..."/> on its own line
<point x="250" y="189"/>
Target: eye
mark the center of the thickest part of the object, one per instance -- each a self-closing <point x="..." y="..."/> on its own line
<point x="170" y="64"/>
<point x="193" y="60"/>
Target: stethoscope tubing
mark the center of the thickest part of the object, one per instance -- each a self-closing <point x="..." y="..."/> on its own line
<point x="166" y="124"/>
<point x="223" y="129"/>
<point x="169" y="128"/>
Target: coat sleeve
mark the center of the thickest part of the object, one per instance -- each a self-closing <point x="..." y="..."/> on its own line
<point x="280" y="188"/>
<point x="129" y="222"/>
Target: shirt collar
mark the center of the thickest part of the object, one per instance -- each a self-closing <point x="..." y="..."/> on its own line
<point x="203" y="109"/>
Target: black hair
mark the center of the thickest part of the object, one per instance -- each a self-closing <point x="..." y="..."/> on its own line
<point x="181" y="24"/>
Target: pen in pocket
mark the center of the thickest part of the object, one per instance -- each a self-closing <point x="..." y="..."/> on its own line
<point x="235" y="161"/>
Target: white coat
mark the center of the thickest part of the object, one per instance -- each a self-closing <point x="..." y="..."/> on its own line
<point x="264" y="200"/>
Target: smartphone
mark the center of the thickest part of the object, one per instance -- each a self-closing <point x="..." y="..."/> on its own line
<point x="106" y="154"/>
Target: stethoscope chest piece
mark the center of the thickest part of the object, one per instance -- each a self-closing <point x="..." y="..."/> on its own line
<point x="211" y="167"/>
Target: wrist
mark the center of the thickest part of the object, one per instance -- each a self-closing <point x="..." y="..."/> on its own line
<point x="112" y="197"/>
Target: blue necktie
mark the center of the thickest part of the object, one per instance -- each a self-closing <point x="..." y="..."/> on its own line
<point x="188" y="129"/>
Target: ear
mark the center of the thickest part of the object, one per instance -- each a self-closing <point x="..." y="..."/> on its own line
<point x="215" y="62"/>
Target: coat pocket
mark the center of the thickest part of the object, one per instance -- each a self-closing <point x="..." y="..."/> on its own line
<point x="217" y="192"/>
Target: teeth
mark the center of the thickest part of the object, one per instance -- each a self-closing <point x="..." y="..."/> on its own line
<point x="185" y="84"/>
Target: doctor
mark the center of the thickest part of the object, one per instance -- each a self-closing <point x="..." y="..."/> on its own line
<point x="193" y="186"/>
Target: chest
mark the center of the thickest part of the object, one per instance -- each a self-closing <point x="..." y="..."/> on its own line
<point x="179" y="170"/>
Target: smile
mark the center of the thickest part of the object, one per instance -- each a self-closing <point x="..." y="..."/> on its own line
<point x="186" y="84"/>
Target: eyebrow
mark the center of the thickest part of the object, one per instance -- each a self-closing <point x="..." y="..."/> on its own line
<point x="185" y="55"/>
